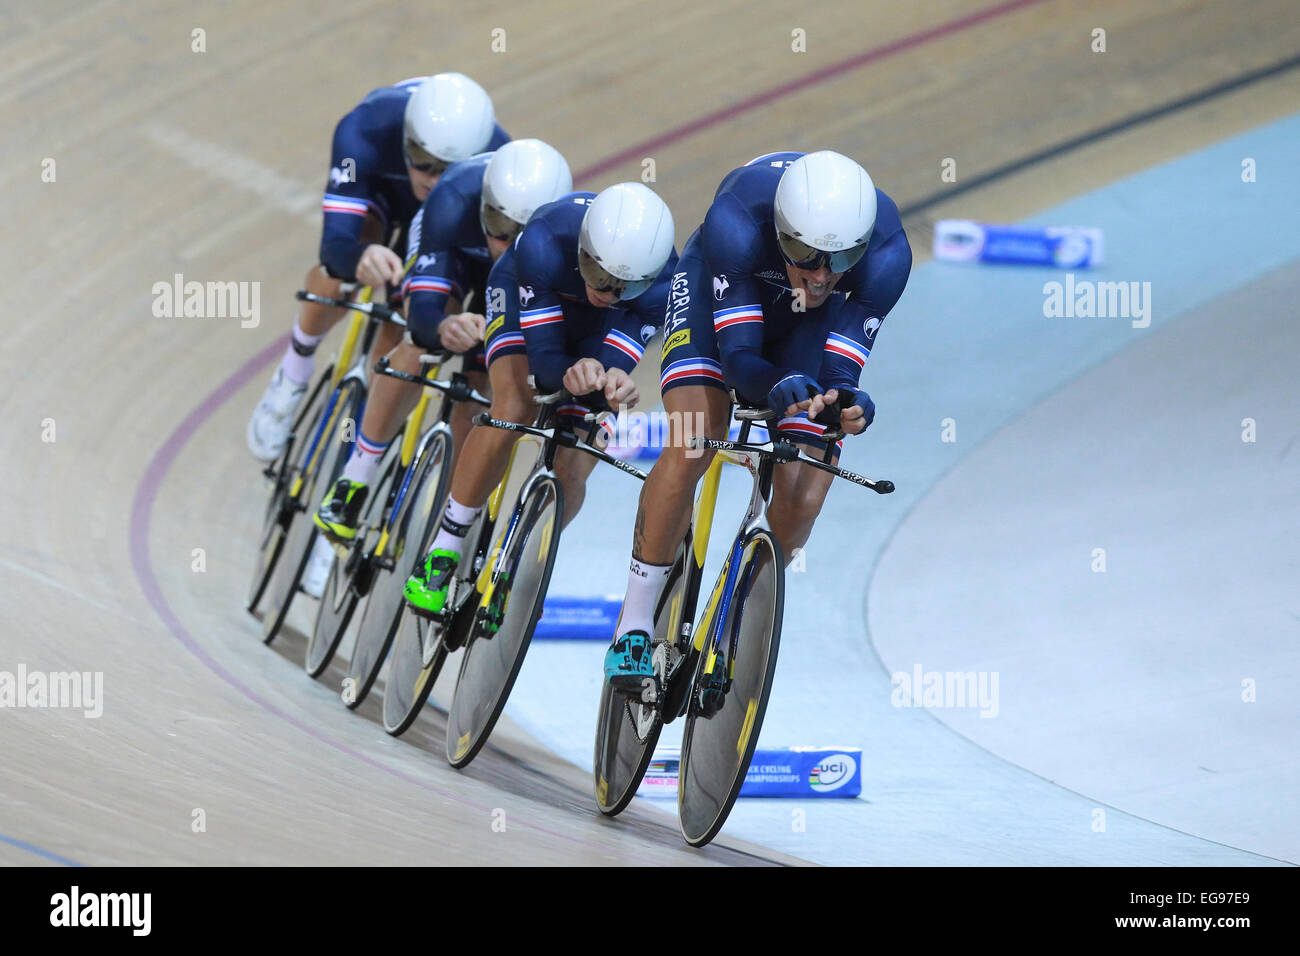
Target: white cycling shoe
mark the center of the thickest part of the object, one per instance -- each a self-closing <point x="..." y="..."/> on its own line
<point x="268" y="429"/>
<point x="317" y="573"/>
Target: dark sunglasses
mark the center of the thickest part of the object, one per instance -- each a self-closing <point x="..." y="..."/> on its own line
<point x="803" y="256"/>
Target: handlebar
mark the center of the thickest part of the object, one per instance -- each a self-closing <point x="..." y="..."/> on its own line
<point x="456" y="388"/>
<point x="376" y="310"/>
<point x="783" y="451"/>
<point x="562" y="437"/>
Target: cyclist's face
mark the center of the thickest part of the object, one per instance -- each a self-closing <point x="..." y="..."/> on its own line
<point x="422" y="183"/>
<point x="601" y="300"/>
<point x="817" y="284"/>
<point x="497" y="247"/>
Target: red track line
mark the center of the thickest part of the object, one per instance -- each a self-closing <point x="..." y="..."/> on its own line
<point x="643" y="149"/>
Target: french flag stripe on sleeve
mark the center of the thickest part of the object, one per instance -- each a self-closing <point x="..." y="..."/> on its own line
<point x="535" y="317"/>
<point x="625" y="343"/>
<point x="841" y="345"/>
<point x="502" y="341"/>
<point x="427" y="284"/>
<point x="350" y="207"/>
<point x="741" y="314"/>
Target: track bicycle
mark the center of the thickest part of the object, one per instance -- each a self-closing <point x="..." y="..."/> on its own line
<point x="717" y="672"/>
<point x="310" y="460"/>
<point x="390" y="542"/>
<point x="496" y="597"/>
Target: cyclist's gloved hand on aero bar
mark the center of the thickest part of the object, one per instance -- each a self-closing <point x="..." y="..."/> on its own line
<point x="843" y="411"/>
<point x="791" y="390"/>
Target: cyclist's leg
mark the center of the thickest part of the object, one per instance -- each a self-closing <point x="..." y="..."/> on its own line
<point x="798" y="490"/>
<point x="481" y="462"/>
<point x="462" y="415"/>
<point x="573" y="467"/>
<point x="272" y="419"/>
<point x="385" y="409"/>
<point x="696" y="403"/>
<point x="390" y="400"/>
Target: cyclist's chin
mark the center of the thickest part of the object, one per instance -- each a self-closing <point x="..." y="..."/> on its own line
<point x="815" y="300"/>
<point x="601" y="300"/>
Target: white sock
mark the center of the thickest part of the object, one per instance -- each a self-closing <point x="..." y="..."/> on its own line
<point x="644" y="582"/>
<point x="364" y="463"/>
<point x="300" y="357"/>
<point x="456" y="521"/>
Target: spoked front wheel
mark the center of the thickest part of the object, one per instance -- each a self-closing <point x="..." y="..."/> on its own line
<point x="300" y="542"/>
<point x="628" y="726"/>
<point x="729" y="698"/>
<point x="415" y="522"/>
<point x="280" y="506"/>
<point x="350" y="576"/>
<point x="511" y="605"/>
<point x="420" y="645"/>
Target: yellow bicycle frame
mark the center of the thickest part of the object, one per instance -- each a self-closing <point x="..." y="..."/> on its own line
<point x="485" y="583"/>
<point x="702" y="525"/>
<point x="356" y="325"/>
<point x="410" y="438"/>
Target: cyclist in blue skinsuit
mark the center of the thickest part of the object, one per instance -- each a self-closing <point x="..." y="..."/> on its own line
<point x="779" y="295"/>
<point x="387" y="155"/>
<point x="573" y="302"/>
<point x="469" y="220"/>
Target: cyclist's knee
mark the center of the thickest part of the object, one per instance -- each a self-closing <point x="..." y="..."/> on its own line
<point x="800" y="502"/>
<point x="684" y="465"/>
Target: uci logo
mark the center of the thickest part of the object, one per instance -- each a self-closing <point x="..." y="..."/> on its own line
<point x="720" y="287"/>
<point x="525" y="295"/>
<point x="832" y="773"/>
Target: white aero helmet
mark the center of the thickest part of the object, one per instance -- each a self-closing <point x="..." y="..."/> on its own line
<point x="521" y="176"/>
<point x="449" y="117"/>
<point x="825" y="209"/>
<point x="626" y="237"/>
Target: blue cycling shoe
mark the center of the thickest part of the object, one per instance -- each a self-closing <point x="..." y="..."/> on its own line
<point x="628" y="662"/>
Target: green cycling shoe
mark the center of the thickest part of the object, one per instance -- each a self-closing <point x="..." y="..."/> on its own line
<point x="426" y="590"/>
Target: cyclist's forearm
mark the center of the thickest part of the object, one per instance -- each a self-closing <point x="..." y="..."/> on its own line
<point x="751" y="374"/>
<point x="340" y="252"/>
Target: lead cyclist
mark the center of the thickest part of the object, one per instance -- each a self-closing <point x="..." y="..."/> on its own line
<point x="779" y="295"/>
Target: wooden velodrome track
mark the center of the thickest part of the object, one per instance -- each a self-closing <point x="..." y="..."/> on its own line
<point x="210" y="164"/>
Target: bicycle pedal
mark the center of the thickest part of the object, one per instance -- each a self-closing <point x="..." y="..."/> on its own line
<point x="435" y="617"/>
